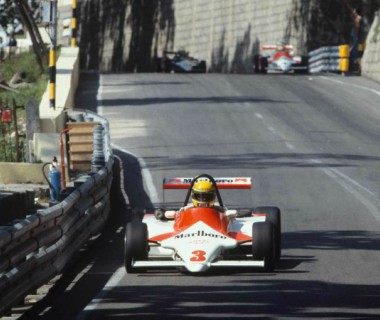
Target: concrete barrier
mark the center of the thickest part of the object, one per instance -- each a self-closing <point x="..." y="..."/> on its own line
<point x="52" y="121"/>
<point x="11" y="173"/>
<point x="371" y="58"/>
<point x="15" y="205"/>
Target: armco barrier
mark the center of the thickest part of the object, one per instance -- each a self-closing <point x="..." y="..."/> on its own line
<point x="36" y="249"/>
<point x="333" y="58"/>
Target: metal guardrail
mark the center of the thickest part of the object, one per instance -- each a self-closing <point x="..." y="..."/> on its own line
<point x="36" y="249"/>
<point x="331" y="58"/>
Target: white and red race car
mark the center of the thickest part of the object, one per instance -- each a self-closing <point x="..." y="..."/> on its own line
<point x="279" y="58"/>
<point x="199" y="238"/>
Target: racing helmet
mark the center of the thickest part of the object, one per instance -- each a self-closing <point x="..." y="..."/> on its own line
<point x="203" y="194"/>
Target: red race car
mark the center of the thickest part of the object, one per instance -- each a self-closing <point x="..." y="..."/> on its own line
<point x="279" y="58"/>
<point x="198" y="237"/>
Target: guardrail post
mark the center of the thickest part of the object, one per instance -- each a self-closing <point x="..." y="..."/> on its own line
<point x="344" y="55"/>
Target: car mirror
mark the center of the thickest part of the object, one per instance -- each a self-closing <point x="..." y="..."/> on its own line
<point x="170" y="214"/>
<point x="231" y="213"/>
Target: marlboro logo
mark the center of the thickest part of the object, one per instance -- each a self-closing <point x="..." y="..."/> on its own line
<point x="200" y="233"/>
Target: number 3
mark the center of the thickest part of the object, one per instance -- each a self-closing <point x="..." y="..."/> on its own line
<point x="198" y="255"/>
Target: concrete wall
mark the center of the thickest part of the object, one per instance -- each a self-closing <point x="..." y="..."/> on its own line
<point x="13" y="173"/>
<point x="128" y="35"/>
<point x="228" y="33"/>
<point x="371" y="57"/>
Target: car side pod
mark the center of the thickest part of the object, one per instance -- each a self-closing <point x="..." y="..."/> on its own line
<point x="263" y="244"/>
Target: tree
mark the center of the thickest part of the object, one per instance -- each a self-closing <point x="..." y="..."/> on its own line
<point x="17" y="15"/>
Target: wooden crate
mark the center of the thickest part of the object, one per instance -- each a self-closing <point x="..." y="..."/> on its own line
<point x="81" y="144"/>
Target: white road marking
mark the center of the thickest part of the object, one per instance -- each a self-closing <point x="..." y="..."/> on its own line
<point x="290" y="146"/>
<point x="153" y="195"/>
<point x="352" y="85"/>
<point x="352" y="186"/>
<point x="259" y="115"/>
<point x="125" y="196"/>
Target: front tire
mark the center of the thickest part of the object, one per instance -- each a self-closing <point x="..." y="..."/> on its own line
<point x="263" y="244"/>
<point x="135" y="244"/>
<point x="273" y="216"/>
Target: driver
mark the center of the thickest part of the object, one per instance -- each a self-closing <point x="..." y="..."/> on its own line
<point x="203" y="194"/>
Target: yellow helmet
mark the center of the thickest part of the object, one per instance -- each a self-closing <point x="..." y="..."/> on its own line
<point x="203" y="194"/>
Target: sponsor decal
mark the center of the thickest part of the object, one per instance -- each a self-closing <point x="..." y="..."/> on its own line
<point x="199" y="241"/>
<point x="200" y="233"/>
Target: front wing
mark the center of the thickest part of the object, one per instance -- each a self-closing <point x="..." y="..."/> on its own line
<point x="178" y="264"/>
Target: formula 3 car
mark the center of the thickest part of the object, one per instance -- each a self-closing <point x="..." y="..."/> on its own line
<point x="279" y="58"/>
<point x="199" y="238"/>
<point x="180" y="62"/>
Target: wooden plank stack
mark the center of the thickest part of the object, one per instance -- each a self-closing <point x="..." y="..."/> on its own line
<point x="81" y="145"/>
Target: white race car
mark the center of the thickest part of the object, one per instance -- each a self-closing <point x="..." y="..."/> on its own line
<point x="180" y="62"/>
<point x="199" y="238"/>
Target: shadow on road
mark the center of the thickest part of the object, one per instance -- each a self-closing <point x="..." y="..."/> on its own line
<point x="260" y="299"/>
<point x="93" y="266"/>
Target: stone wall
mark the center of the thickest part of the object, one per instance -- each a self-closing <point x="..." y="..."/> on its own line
<point x="129" y="35"/>
<point x="371" y="57"/>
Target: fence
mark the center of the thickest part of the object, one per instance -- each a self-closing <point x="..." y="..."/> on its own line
<point x="12" y="141"/>
<point x="332" y="58"/>
<point x="36" y="249"/>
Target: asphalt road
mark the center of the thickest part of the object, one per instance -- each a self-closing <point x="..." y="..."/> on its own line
<point x="311" y="145"/>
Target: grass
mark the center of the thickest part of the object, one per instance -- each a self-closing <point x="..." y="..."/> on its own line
<point x="27" y="63"/>
<point x="24" y="62"/>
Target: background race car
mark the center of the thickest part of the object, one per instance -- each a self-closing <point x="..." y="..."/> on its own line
<point x="279" y="58"/>
<point x="180" y="62"/>
<point x="197" y="238"/>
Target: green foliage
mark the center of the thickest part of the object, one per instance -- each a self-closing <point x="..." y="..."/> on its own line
<point x="27" y="63"/>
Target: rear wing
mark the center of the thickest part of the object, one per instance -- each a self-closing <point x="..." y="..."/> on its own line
<point x="221" y="183"/>
<point x="277" y="47"/>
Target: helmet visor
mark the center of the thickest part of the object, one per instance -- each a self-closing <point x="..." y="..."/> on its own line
<point x="204" y="196"/>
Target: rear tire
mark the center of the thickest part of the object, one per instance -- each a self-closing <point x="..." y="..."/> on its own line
<point x="256" y="63"/>
<point x="304" y="63"/>
<point x="202" y="67"/>
<point x="263" y="64"/>
<point x="135" y="244"/>
<point x="263" y="244"/>
<point x="273" y="216"/>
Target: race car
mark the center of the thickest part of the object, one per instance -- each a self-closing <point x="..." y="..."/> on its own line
<point x="180" y="62"/>
<point x="195" y="239"/>
<point x="279" y="58"/>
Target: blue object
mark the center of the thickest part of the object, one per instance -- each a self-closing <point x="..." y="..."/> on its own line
<point x="55" y="181"/>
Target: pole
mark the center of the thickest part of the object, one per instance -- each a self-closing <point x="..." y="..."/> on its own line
<point x="17" y="147"/>
<point x="74" y="24"/>
<point x="52" y="54"/>
<point x="62" y="151"/>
